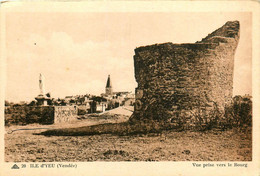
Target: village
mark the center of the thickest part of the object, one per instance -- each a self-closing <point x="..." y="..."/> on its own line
<point x="87" y="103"/>
<point x="47" y="110"/>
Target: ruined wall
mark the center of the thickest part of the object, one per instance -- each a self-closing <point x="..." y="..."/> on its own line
<point x="65" y="113"/>
<point x="185" y="79"/>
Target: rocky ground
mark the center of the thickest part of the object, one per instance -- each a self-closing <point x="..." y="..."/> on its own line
<point x="24" y="146"/>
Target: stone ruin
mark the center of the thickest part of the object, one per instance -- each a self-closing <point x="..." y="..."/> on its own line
<point x="177" y="81"/>
<point x="180" y="86"/>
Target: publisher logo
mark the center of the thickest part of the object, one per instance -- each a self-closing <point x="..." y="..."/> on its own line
<point x="15" y="167"/>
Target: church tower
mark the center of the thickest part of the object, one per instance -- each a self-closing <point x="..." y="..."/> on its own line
<point x="109" y="90"/>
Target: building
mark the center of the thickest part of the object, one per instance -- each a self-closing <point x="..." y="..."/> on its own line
<point x="115" y="99"/>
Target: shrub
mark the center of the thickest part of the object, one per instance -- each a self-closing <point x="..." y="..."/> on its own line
<point x="239" y="113"/>
<point x="22" y="115"/>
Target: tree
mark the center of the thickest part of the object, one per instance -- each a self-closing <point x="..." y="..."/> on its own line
<point x="32" y="103"/>
<point x="72" y="101"/>
<point x="48" y="94"/>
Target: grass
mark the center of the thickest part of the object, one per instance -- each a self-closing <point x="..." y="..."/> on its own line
<point x="230" y="145"/>
<point x="108" y="142"/>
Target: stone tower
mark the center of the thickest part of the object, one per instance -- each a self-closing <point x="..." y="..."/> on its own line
<point x="109" y="90"/>
<point x="182" y="80"/>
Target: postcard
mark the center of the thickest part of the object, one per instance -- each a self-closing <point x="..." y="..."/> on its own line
<point x="130" y="88"/>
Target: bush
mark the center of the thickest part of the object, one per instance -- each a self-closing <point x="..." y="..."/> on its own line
<point x="22" y="115"/>
<point x="239" y="114"/>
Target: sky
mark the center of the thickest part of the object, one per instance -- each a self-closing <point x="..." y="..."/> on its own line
<point x="76" y="51"/>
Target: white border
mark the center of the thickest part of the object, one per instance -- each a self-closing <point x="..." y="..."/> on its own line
<point x="141" y="168"/>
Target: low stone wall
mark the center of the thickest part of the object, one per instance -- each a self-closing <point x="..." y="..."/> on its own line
<point x="23" y="115"/>
<point x="65" y="113"/>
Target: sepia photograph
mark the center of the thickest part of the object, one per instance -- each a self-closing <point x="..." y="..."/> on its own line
<point x="93" y="86"/>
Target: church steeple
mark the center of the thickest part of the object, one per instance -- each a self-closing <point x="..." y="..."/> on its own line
<point x="108" y="82"/>
<point x="109" y="90"/>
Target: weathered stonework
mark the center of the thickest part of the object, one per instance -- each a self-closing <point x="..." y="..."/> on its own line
<point x="185" y="79"/>
<point x="65" y="114"/>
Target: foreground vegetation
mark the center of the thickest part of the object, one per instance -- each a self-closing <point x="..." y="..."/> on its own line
<point x="112" y="138"/>
<point x="212" y="145"/>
